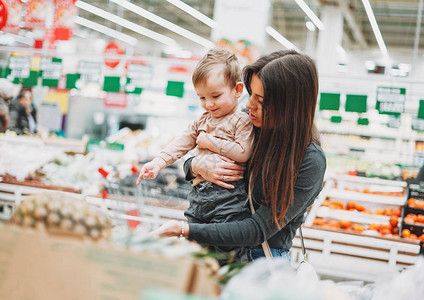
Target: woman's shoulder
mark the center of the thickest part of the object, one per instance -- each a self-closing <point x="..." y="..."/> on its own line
<point x="314" y="158"/>
<point x="312" y="170"/>
<point x="315" y="149"/>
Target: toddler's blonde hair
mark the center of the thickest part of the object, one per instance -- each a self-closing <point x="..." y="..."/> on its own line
<point x="218" y="58"/>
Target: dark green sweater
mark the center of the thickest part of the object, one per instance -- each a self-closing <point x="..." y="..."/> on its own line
<point x="254" y="230"/>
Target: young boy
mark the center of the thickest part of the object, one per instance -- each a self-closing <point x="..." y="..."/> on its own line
<point x="221" y="129"/>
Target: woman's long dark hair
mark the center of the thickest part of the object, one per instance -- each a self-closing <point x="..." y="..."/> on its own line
<point x="290" y="84"/>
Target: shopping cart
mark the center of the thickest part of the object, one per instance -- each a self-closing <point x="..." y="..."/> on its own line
<point x="148" y="205"/>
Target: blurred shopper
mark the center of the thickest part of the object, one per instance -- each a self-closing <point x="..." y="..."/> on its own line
<point x="286" y="170"/>
<point x="222" y="129"/>
<point x="23" y="115"/>
<point x="6" y="94"/>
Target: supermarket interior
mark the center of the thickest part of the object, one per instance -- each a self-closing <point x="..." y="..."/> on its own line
<point x="92" y="93"/>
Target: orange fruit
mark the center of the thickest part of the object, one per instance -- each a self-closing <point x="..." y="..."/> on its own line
<point x="385" y="227"/>
<point x="408" y="220"/>
<point x="358" y="227"/>
<point x="420" y="218"/>
<point x="359" y="207"/>
<point x="411" y="202"/>
<point x="334" y="224"/>
<point x="421" y="238"/>
<point x="394" y="221"/>
<point x="326" y="203"/>
<point x="413" y="236"/>
<point x="374" y="227"/>
<point x="336" y="205"/>
<point x="345" y="224"/>
<point x="387" y="212"/>
<point x="406" y="233"/>
<point x="396" y="212"/>
<point x="319" y="222"/>
<point x="350" y="205"/>
<point x="412" y="216"/>
<point x="420" y="203"/>
<point x="395" y="230"/>
<point x="385" y="231"/>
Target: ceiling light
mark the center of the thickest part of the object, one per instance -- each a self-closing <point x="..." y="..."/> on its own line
<point x="10" y="39"/>
<point x="281" y="39"/>
<point x="193" y="12"/>
<point x="375" y="28"/>
<point x="310" y="14"/>
<point x="106" y="30"/>
<point x="168" y="25"/>
<point x="82" y="34"/>
<point x="310" y="26"/>
<point x="127" y="24"/>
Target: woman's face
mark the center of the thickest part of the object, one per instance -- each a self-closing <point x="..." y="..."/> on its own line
<point x="254" y="105"/>
<point x="26" y="99"/>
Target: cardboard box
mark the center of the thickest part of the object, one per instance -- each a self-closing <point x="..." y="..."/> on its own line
<point x="36" y="266"/>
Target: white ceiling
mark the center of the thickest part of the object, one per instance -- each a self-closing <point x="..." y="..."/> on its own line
<point x="397" y="20"/>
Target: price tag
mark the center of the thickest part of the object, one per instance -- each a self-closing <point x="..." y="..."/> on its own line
<point x="51" y="67"/>
<point x="90" y="71"/>
<point x="418" y="124"/>
<point x="390" y="100"/>
<point x="140" y="76"/>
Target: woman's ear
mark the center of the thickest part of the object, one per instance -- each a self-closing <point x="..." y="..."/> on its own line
<point x="239" y="89"/>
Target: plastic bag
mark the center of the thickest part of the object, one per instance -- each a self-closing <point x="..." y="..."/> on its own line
<point x="408" y="285"/>
<point x="276" y="279"/>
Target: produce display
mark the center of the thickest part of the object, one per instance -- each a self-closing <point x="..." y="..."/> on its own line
<point x="344" y="164"/>
<point x="30" y="161"/>
<point x="386" y="227"/>
<point x="413" y="214"/>
<point x="62" y="214"/>
<point x="361" y="205"/>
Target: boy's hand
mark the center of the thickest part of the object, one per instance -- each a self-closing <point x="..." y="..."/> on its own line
<point x="149" y="171"/>
<point x="204" y="142"/>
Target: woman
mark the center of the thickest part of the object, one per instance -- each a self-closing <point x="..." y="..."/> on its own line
<point x="6" y="94"/>
<point x="23" y="116"/>
<point x="286" y="169"/>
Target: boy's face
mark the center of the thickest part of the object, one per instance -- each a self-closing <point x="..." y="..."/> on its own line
<point x="216" y="96"/>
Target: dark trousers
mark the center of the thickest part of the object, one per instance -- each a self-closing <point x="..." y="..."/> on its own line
<point x="211" y="203"/>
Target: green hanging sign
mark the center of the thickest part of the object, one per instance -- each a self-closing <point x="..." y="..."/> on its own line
<point x="329" y="101"/>
<point x="112" y="84"/>
<point x="31" y="80"/>
<point x="356" y="103"/>
<point x="19" y="66"/>
<point x="175" y="88"/>
<point x="421" y="110"/>
<point x="51" y="71"/>
<point x="71" y="80"/>
<point x="390" y="100"/>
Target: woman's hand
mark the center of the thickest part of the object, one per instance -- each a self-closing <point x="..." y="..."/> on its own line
<point x="171" y="228"/>
<point x="217" y="169"/>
